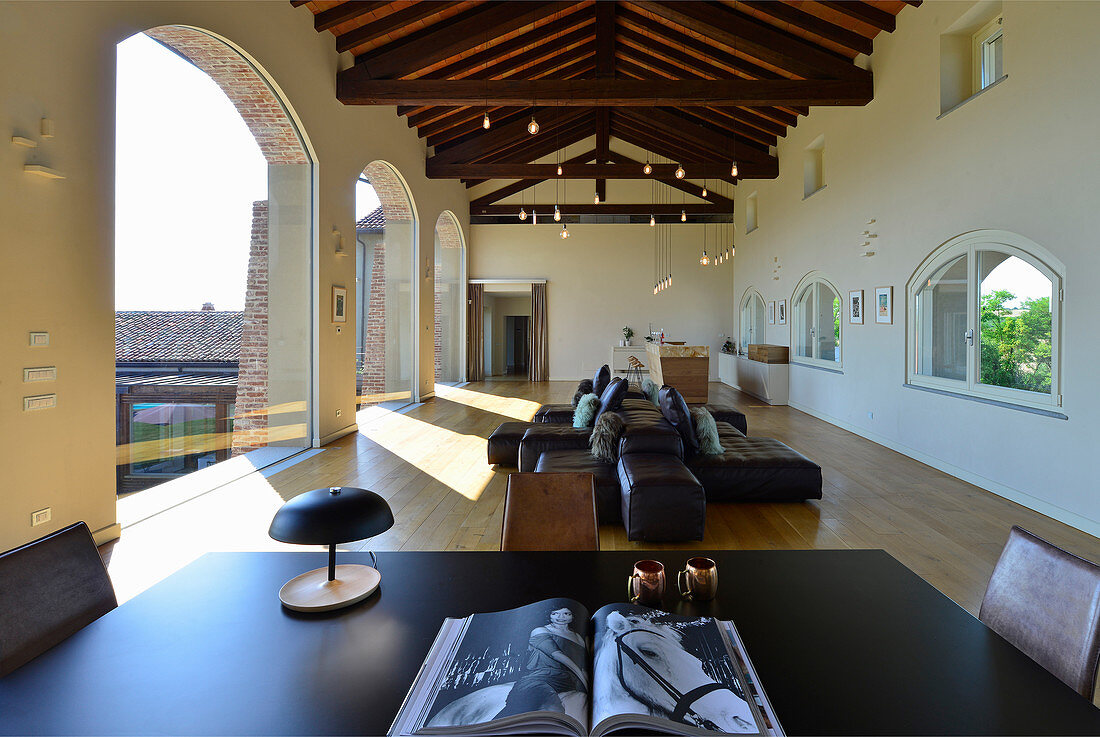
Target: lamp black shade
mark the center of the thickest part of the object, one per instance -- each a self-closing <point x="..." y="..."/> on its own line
<point x="329" y="516"/>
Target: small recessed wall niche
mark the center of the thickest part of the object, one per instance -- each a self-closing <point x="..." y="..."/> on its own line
<point x="752" y="212"/>
<point x="813" y="167"/>
<point x="971" y="54"/>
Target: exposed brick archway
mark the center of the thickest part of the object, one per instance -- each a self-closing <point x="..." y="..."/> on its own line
<point x="284" y="149"/>
<point x="385" y="258"/>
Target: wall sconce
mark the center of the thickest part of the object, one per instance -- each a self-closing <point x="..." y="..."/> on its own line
<point x="338" y="242"/>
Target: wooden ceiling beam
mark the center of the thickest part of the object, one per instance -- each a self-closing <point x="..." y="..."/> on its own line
<point x="628" y="66"/>
<point x="521" y="185"/>
<point x="605" y="39"/>
<point x="473" y="125"/>
<point x="681" y="184"/>
<point x="588" y="208"/>
<point x="408" y="15"/>
<point x="345" y="12"/>
<point x="864" y="13"/>
<point x="521" y="170"/>
<point x="789" y="14"/>
<point x="504" y="135"/>
<point x="757" y="39"/>
<point x="720" y="144"/>
<point x="353" y="90"/>
<point x="644" y="138"/>
<point x="556" y="138"/>
<point x="447" y="130"/>
<point x="441" y="41"/>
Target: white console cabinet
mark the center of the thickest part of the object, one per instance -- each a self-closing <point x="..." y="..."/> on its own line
<point x="766" y="381"/>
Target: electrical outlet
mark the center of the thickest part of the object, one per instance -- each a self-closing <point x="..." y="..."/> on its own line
<point x="339" y="412"/>
<point x="41" y="517"/>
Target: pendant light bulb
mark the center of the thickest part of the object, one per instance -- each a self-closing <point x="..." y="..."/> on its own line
<point x="559" y="170"/>
<point x="652" y="221"/>
<point x="485" y="121"/>
<point x="557" y="214"/>
<point x="704" y="190"/>
<point x="704" y="259"/>
<point x="522" y="214"/>
<point x="648" y="168"/>
<point x="680" y="172"/>
<point x="733" y="169"/>
<point x="564" y="231"/>
<point x="683" y="216"/>
<point x="533" y="126"/>
<point x="733" y="251"/>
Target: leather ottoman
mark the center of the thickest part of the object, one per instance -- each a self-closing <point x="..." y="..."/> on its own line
<point x="582" y="461"/>
<point x="544" y="436"/>
<point x="503" y="448"/>
<point x="758" y="470"/>
<point x="555" y="413"/>
<point x="661" y="499"/>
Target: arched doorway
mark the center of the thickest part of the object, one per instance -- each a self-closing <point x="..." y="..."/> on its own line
<point x="450" y="303"/>
<point x="386" y="305"/>
<point x="199" y="379"/>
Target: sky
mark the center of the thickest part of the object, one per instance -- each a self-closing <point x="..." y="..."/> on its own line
<point x="187" y="172"/>
<point x="1018" y="277"/>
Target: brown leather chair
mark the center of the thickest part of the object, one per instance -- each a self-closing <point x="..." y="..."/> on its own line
<point x="1046" y="602"/>
<point x="50" y="589"/>
<point x="550" y="511"/>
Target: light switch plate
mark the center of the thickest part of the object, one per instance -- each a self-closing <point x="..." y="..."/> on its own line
<point x="41" y="517"/>
<point x="42" y="401"/>
<point x="39" y="340"/>
<point x="41" y="373"/>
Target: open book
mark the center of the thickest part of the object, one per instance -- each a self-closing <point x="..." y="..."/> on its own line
<point x="550" y="668"/>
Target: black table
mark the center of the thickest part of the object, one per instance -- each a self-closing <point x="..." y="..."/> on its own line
<point x="845" y="642"/>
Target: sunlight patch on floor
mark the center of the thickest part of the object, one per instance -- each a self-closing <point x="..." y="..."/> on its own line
<point x="519" y="409"/>
<point x="454" y="459"/>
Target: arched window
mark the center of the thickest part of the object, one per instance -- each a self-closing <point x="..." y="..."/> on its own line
<point x="816" y="322"/>
<point x="752" y="318"/>
<point x="984" y="318"/>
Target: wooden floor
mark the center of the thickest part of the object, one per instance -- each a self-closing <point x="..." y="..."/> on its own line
<point x="429" y="462"/>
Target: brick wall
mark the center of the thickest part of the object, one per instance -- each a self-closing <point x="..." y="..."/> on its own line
<point x="250" y="417"/>
<point x="246" y="89"/>
<point x="372" y="380"/>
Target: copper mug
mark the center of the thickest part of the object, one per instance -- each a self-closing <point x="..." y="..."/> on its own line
<point x="698" y="580"/>
<point x="646" y="585"/>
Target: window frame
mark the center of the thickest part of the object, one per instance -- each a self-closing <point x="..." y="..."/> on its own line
<point x="750" y="293"/>
<point x="797" y="320"/>
<point x="971" y="245"/>
<point x="981" y="46"/>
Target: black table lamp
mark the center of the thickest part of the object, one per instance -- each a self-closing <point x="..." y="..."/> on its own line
<point x="328" y="517"/>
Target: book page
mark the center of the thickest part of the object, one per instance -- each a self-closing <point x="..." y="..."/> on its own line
<point x="533" y="659"/>
<point x="657" y="666"/>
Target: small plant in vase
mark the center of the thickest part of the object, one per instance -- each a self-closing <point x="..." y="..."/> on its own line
<point x="727" y="347"/>
<point x="628" y="333"/>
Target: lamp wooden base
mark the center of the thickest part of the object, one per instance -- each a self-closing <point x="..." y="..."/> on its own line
<point x="313" y="592"/>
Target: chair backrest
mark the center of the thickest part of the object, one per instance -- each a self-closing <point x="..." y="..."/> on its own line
<point x="50" y="589"/>
<point x="550" y="511"/>
<point x="1046" y="602"/>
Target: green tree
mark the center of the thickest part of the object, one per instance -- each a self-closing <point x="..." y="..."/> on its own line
<point x="1015" y="343"/>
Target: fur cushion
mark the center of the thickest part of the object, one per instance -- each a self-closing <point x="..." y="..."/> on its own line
<point x="605" y="437"/>
<point x="706" y="431"/>
<point x="585" y="413"/>
<point x="585" y="387"/>
<point x="649" y="389"/>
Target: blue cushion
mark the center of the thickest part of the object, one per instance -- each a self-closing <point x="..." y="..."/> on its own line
<point x="676" y="411"/>
<point x="601" y="380"/>
<point x="585" y="413"/>
<point x="649" y="389"/>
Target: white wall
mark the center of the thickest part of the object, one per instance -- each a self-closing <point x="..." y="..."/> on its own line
<point x="56" y="237"/>
<point x="601" y="279"/>
<point x="1020" y="157"/>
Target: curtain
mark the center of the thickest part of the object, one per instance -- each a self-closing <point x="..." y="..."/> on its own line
<point x="540" y="349"/>
<point x="475" y="339"/>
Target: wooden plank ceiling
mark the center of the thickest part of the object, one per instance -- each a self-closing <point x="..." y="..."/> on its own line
<point x="702" y="84"/>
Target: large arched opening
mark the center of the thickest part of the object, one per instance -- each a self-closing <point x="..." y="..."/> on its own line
<point x="450" y="302"/>
<point x="214" y="352"/>
<point x="386" y="304"/>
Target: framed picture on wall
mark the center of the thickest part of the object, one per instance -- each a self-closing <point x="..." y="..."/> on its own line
<point x="855" y="307"/>
<point x="771" y="312"/>
<point x="884" y="305"/>
<point x="339" y="304"/>
<point x="782" y="317"/>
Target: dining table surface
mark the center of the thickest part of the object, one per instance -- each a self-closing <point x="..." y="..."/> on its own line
<point x="843" y="641"/>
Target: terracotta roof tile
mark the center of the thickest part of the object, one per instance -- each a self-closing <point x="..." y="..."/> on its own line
<point x="196" y="336"/>
<point x="372" y="222"/>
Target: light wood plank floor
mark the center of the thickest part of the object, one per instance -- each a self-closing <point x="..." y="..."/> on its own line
<point x="429" y="462"/>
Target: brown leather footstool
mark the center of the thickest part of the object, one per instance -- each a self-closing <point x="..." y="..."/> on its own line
<point x="550" y="511"/>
